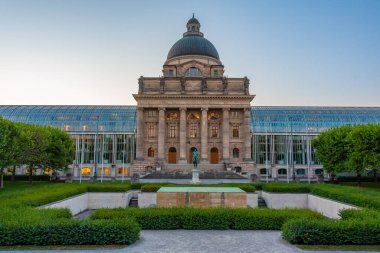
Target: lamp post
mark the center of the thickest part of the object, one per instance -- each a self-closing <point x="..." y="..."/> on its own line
<point x="122" y="179"/>
<point x="96" y="145"/>
<point x="101" y="176"/>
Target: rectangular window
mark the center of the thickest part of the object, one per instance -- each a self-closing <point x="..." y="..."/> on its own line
<point x="214" y="132"/>
<point x="152" y="113"/>
<point x="235" y="132"/>
<point x="171" y="73"/>
<point x="172" y="132"/>
<point x="235" y="114"/>
<point x="151" y="131"/>
<point x="216" y="73"/>
<point x="193" y="131"/>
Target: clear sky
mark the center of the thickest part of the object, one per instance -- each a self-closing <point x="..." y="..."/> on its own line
<point x="296" y="52"/>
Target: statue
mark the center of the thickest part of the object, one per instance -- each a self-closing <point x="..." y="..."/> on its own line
<point x="225" y="85"/>
<point x="246" y="85"/>
<point x="204" y="86"/>
<point x="183" y="85"/>
<point x="195" y="158"/>
<point x="162" y="85"/>
<point x="141" y="84"/>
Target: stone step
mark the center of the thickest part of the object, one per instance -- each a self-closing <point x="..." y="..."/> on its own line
<point x="133" y="202"/>
<point x="189" y="167"/>
<point x="262" y="203"/>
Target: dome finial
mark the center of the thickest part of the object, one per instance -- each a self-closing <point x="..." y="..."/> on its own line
<point x="193" y="14"/>
<point x="193" y="26"/>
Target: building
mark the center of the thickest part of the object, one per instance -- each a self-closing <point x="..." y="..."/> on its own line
<point x="193" y="105"/>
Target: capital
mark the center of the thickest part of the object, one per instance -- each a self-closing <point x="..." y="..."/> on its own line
<point x="161" y="108"/>
<point x="183" y="109"/>
<point x="204" y="109"/>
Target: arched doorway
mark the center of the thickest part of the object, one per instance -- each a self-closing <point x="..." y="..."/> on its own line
<point x="214" y="155"/>
<point x="191" y="154"/>
<point x="172" y="156"/>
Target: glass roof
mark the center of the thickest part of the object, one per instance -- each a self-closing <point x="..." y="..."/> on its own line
<point x="309" y="120"/>
<point x="74" y="118"/>
<point x="270" y="119"/>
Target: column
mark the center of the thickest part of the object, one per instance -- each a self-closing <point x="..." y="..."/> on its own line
<point x="247" y="134"/>
<point x="226" y="134"/>
<point x="140" y="134"/>
<point x="204" y="137"/>
<point x="161" y="134"/>
<point x="182" y="136"/>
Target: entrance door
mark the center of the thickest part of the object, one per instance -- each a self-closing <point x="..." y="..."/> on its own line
<point x="214" y="155"/>
<point x="172" y="157"/>
<point x="191" y="155"/>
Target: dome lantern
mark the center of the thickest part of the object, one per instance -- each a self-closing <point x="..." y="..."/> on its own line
<point x="193" y="43"/>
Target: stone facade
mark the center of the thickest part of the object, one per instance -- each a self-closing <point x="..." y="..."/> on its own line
<point x="193" y="105"/>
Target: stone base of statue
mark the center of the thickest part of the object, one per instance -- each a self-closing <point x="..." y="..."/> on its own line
<point x="195" y="177"/>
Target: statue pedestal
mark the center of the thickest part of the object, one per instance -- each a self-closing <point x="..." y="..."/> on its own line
<point x="195" y="177"/>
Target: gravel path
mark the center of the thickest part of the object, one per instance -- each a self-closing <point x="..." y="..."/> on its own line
<point x="203" y="241"/>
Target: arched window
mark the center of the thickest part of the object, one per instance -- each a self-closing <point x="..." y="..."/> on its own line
<point x="193" y="72"/>
<point x="235" y="153"/>
<point x="300" y="171"/>
<point x="282" y="172"/>
<point x="318" y="172"/>
<point x="150" y="152"/>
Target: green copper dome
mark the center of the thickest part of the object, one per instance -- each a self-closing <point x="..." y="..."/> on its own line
<point x="193" y="43"/>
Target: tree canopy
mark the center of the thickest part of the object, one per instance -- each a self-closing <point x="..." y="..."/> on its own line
<point x="349" y="149"/>
<point x="35" y="146"/>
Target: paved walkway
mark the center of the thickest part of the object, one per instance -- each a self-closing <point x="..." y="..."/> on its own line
<point x="204" y="241"/>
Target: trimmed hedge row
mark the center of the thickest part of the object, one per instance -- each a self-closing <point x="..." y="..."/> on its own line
<point x="156" y="187"/>
<point x="70" y="232"/>
<point x="26" y="177"/>
<point x="23" y="224"/>
<point x="209" y="218"/>
<point x="288" y="188"/>
<point x="330" y="232"/>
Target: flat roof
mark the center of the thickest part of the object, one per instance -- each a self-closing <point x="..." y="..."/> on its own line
<point x="200" y="189"/>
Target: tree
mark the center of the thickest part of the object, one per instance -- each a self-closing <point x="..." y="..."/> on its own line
<point x="364" y="142"/>
<point x="34" y="150"/>
<point x="60" y="149"/>
<point x="8" y="149"/>
<point x="332" y="149"/>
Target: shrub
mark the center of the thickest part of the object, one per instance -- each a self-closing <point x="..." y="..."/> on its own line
<point x="332" y="232"/>
<point x="109" y="187"/>
<point x="70" y="232"/>
<point x="151" y="187"/>
<point x="358" y="197"/>
<point x="26" y="177"/>
<point x="360" y="214"/>
<point x="288" y="188"/>
<point x="248" y="188"/>
<point x="210" y="218"/>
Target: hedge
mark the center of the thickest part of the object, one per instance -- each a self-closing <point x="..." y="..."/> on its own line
<point x="70" y="232"/>
<point x="206" y="218"/>
<point x="26" y="177"/>
<point x="21" y="223"/>
<point x="289" y="188"/>
<point x="156" y="187"/>
<point x="332" y="232"/>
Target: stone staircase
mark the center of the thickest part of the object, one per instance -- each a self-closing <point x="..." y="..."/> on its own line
<point x="262" y="203"/>
<point x="133" y="202"/>
<point x="188" y="167"/>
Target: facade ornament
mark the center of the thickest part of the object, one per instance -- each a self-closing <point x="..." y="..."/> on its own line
<point x="225" y="85"/>
<point x="183" y="86"/>
<point x="246" y="85"/>
<point x="162" y="85"/>
<point x="204" y="86"/>
<point x="141" y="84"/>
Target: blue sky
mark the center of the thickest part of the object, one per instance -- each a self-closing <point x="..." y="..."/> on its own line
<point x="315" y="52"/>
